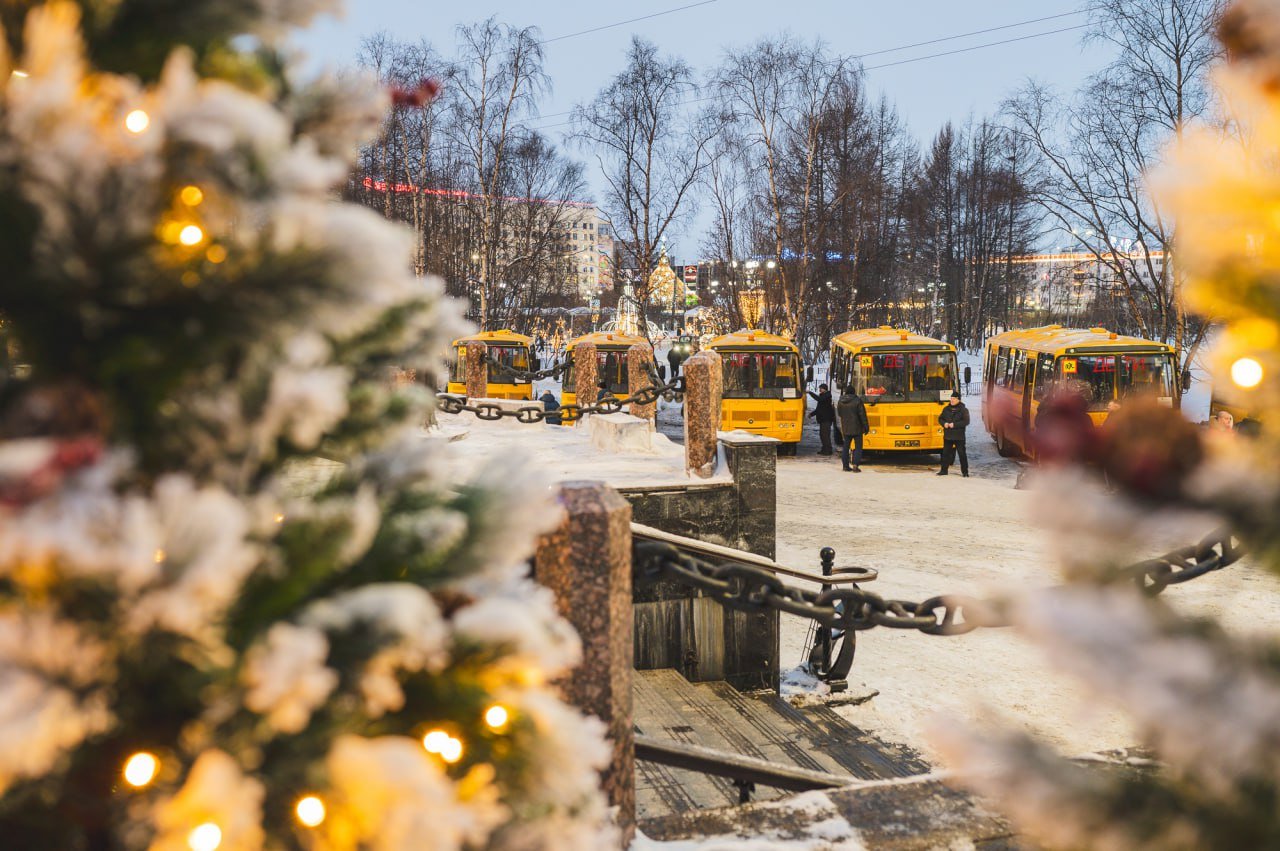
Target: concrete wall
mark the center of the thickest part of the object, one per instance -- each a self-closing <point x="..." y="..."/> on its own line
<point x="675" y="626"/>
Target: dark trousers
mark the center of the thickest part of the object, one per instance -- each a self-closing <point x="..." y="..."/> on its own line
<point x="949" y="450"/>
<point x="856" y="441"/>
<point x="824" y="432"/>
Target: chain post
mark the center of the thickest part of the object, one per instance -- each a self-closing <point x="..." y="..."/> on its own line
<point x="828" y="557"/>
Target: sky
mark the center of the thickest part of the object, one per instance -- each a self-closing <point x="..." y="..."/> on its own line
<point x="927" y="93"/>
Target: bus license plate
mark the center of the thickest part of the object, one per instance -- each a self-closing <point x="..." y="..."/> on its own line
<point x="905" y="443"/>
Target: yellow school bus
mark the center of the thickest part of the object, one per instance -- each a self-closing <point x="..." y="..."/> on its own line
<point x="905" y="380"/>
<point x="611" y="364"/>
<point x="1022" y="368"/>
<point x="763" y="391"/>
<point x="510" y="350"/>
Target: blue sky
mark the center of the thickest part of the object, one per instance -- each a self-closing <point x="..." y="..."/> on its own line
<point x="927" y="92"/>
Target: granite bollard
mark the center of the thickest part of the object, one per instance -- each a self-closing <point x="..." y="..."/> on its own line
<point x="702" y="388"/>
<point x="639" y="361"/>
<point x="587" y="565"/>
<point x="477" y="370"/>
<point x="586" y="373"/>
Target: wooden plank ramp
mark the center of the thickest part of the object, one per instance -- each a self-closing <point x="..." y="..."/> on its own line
<point x="763" y="726"/>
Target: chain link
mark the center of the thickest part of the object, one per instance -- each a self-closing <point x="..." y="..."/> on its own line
<point x="754" y="589"/>
<point x="672" y="391"/>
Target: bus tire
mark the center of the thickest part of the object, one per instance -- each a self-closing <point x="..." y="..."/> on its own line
<point x="788" y="450"/>
<point x="1004" y="447"/>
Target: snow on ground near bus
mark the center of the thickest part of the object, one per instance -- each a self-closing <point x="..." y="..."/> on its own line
<point x="566" y="453"/>
<point x="929" y="535"/>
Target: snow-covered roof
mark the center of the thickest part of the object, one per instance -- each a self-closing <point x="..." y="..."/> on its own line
<point x="886" y="335"/>
<point x="1055" y="338"/>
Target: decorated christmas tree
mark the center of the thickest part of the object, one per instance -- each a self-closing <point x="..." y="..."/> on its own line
<point x="206" y="642"/>
<point x="1205" y="699"/>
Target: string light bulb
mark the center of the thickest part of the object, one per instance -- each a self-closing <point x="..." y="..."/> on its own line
<point x="191" y="235"/>
<point x="443" y="745"/>
<point x="140" y="769"/>
<point x="159" y="556"/>
<point x="137" y="121"/>
<point x="216" y="254"/>
<point x="191" y="195"/>
<point x="206" y="837"/>
<point x="1246" y="373"/>
<point x="310" y="811"/>
<point x="19" y="73"/>
<point x="497" y="716"/>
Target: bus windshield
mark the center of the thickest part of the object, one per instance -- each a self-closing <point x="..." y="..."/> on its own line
<point x="507" y="358"/>
<point x="1103" y="378"/>
<point x="611" y="368"/>
<point x="761" y="375"/>
<point x="905" y="376"/>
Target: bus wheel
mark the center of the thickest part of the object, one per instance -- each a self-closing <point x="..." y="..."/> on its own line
<point x="1004" y="447"/>
<point x="788" y="450"/>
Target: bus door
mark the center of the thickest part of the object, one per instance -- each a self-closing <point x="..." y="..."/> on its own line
<point x="1028" y="388"/>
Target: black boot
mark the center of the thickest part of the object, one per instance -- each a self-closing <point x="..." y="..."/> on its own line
<point x="942" y="472"/>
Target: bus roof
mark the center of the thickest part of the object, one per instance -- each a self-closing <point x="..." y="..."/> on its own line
<point x="607" y="340"/>
<point x="1055" y="339"/>
<point x="887" y="335"/>
<point x="750" y="338"/>
<point x="503" y="335"/>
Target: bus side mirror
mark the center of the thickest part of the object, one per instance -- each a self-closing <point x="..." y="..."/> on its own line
<point x="968" y="373"/>
<point x="662" y="372"/>
<point x="537" y="363"/>
<point x="808" y="375"/>
<point x="1186" y="380"/>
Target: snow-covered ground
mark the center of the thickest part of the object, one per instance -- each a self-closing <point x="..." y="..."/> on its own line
<point x="929" y="535"/>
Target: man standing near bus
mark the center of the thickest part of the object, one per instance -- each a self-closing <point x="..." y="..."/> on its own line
<point x="853" y="425"/>
<point x="954" y="419"/>
<point x="825" y="414"/>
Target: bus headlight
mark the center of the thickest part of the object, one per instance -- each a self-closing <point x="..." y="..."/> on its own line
<point x="873" y="431"/>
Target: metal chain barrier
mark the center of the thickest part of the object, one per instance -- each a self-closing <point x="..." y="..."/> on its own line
<point x="672" y="391"/>
<point x="753" y="589"/>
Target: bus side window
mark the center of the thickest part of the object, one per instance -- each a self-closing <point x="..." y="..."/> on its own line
<point x="1044" y="377"/>
<point x="1019" y="371"/>
<point x="460" y="366"/>
<point x="1002" y="368"/>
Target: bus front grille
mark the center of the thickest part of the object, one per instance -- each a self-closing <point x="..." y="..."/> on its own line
<point x="914" y="422"/>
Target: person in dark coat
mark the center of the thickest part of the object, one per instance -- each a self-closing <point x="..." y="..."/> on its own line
<point x="603" y="393"/>
<point x="853" y="425"/>
<point x="674" y="360"/>
<point x="552" y="406"/>
<point x="825" y="414"/>
<point x="954" y="419"/>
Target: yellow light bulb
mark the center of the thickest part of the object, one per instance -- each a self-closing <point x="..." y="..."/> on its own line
<point x="191" y="195"/>
<point x="452" y="750"/>
<point x="137" y="121"/>
<point x="1246" y="373"/>
<point x="159" y="556"/>
<point x="206" y="837"/>
<point x="191" y="235"/>
<point x="435" y="741"/>
<point x="216" y="254"/>
<point x="497" y="716"/>
<point x="279" y="518"/>
<point x="20" y="74"/>
<point x="140" y="769"/>
<point x="310" y="811"/>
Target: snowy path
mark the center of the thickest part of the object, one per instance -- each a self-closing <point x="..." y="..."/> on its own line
<point x="928" y="535"/>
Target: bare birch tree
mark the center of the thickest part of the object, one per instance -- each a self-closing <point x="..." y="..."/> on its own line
<point x="1093" y="152"/>
<point x="651" y="152"/>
